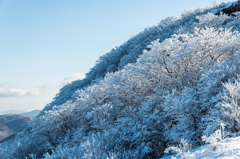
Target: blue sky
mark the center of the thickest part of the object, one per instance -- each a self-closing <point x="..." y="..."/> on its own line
<point x="46" y="44"/>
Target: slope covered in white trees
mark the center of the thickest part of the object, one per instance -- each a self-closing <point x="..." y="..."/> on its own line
<point x="173" y="85"/>
<point x="128" y="52"/>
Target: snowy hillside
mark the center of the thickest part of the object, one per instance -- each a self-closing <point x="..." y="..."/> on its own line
<point x="173" y="85"/>
<point x="128" y="52"/>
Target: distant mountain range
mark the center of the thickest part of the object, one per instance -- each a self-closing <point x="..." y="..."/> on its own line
<point x="12" y="112"/>
<point x="24" y="113"/>
<point x="31" y="114"/>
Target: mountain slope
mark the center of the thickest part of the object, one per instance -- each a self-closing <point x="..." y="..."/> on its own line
<point x="133" y="48"/>
<point x="10" y="124"/>
<point x="183" y="87"/>
<point x="127" y="53"/>
<point x="5" y="132"/>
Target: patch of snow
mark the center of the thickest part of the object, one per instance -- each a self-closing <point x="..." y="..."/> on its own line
<point x="228" y="149"/>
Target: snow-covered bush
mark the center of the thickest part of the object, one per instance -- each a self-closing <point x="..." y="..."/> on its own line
<point x="216" y="138"/>
<point x="181" y="116"/>
<point x="226" y="111"/>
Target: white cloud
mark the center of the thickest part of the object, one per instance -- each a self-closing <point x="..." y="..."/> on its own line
<point x="7" y="90"/>
<point x="16" y="92"/>
<point x="73" y="77"/>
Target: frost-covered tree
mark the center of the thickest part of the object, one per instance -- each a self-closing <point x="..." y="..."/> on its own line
<point x="181" y="116"/>
<point x="227" y="111"/>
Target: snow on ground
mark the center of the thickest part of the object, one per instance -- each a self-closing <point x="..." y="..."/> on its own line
<point x="228" y="149"/>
